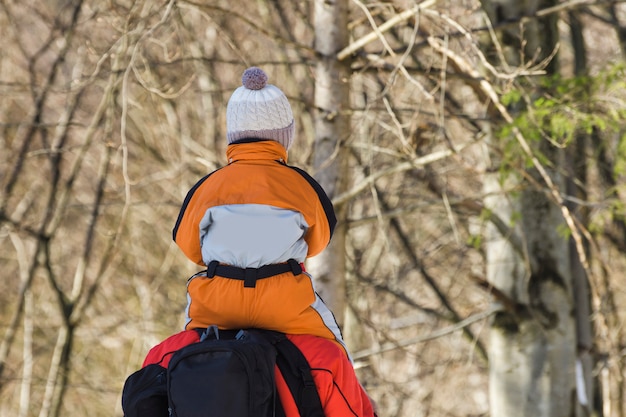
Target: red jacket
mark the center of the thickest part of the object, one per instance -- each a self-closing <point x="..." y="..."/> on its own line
<point x="340" y="392"/>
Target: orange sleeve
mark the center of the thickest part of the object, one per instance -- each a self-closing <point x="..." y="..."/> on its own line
<point x="322" y="228"/>
<point x="186" y="230"/>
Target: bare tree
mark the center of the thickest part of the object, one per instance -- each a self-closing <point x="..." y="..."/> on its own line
<point x="112" y="110"/>
<point x="332" y="130"/>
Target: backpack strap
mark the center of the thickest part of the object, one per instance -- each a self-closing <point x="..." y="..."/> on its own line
<point x="297" y="374"/>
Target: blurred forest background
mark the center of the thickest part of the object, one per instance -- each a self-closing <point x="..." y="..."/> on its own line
<point x="475" y="152"/>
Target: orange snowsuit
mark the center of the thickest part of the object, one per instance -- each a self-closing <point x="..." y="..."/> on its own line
<point x="340" y="392"/>
<point x="253" y="223"/>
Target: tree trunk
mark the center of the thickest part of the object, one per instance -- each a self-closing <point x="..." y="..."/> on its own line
<point x="332" y="127"/>
<point x="533" y="343"/>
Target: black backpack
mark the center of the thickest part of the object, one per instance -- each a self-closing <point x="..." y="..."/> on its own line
<point x="226" y="374"/>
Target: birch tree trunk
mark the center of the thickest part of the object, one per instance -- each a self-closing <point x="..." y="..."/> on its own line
<point x="332" y="127"/>
<point x="533" y="343"/>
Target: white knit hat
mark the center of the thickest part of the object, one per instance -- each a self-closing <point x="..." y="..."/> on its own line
<point x="258" y="110"/>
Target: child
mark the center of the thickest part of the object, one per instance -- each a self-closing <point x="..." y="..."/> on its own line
<point x="254" y="222"/>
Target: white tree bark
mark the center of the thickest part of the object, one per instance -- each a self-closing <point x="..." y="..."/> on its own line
<point x="532" y="352"/>
<point x="532" y="347"/>
<point x="332" y="127"/>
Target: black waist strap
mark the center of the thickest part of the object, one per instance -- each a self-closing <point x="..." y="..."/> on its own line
<point x="250" y="275"/>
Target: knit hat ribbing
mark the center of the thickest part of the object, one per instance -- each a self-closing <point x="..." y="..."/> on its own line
<point x="259" y="110"/>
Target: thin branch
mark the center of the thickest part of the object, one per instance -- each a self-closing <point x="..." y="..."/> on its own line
<point x="527" y="70"/>
<point x="567" y="5"/>
<point x="414" y="163"/>
<point x="81" y="269"/>
<point x="431" y="336"/>
<point x="27" y="355"/>
<point x="389" y="24"/>
<point x="401" y="296"/>
<point x="375" y="28"/>
<point x="56" y="364"/>
<point x="253" y="23"/>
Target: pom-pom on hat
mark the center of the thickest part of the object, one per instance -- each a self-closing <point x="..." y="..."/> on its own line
<point x="258" y="110"/>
